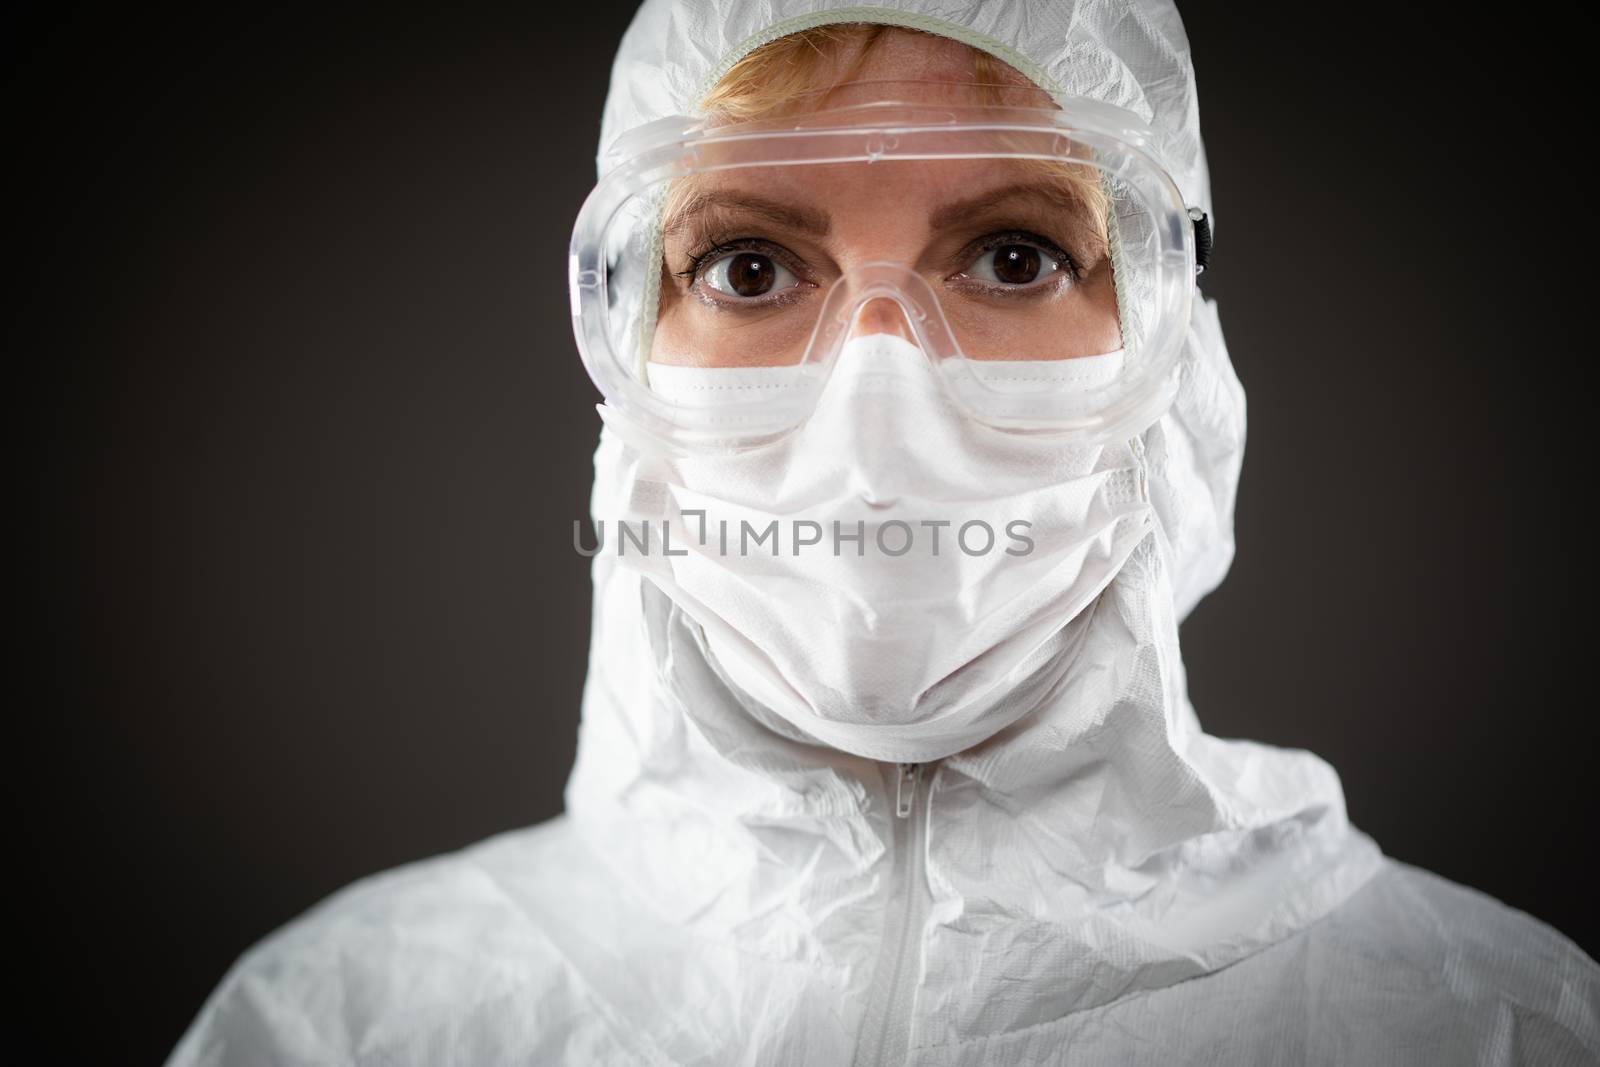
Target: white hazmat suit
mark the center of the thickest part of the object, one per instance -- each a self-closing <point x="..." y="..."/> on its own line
<point x="1098" y="882"/>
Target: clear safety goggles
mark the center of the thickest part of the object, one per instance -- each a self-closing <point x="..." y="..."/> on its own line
<point x="1039" y="257"/>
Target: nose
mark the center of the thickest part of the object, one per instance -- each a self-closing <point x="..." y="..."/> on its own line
<point x="881" y="314"/>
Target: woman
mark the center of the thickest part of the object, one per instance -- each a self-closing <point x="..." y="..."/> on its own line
<point x="919" y="443"/>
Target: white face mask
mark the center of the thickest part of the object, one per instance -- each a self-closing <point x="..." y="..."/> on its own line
<point x="893" y="579"/>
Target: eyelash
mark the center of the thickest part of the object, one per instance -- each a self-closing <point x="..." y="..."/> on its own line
<point x="715" y="250"/>
<point x="1024" y="237"/>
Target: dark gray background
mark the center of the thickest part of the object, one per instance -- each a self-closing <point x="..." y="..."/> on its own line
<point x="311" y="431"/>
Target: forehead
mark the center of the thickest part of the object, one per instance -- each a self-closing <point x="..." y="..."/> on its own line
<point x="865" y="65"/>
<point x="900" y="185"/>
<point x="896" y="199"/>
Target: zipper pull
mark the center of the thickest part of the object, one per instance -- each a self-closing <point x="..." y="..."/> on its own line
<point x="905" y="790"/>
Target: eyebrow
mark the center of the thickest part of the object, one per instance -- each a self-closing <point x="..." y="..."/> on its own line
<point x="812" y="223"/>
<point x="960" y="210"/>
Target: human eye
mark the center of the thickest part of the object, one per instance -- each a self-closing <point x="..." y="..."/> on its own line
<point x="743" y="272"/>
<point x="1018" y="261"/>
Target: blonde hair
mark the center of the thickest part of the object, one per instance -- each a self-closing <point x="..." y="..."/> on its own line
<point x="778" y="72"/>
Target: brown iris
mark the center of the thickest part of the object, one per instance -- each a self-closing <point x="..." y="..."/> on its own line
<point x="750" y="274"/>
<point x="1016" y="264"/>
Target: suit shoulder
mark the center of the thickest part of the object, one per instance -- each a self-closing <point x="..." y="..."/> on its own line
<point x="1426" y="961"/>
<point x="1411" y="969"/>
<point x="1471" y="938"/>
<point x="417" y="957"/>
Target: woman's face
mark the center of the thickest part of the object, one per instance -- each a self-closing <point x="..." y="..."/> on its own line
<point x="1012" y="249"/>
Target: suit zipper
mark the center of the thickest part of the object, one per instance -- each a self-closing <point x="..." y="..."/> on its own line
<point x="886" y="1028"/>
